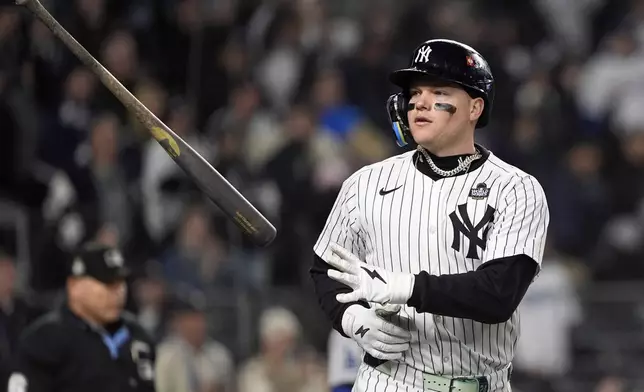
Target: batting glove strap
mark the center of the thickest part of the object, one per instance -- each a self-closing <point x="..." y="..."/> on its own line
<point x="401" y="287"/>
<point x="384" y="287"/>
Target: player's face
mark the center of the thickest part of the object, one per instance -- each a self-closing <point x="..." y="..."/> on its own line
<point x="103" y="302"/>
<point x="442" y="116"/>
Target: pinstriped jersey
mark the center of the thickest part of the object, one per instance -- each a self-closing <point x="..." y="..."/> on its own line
<point x="393" y="216"/>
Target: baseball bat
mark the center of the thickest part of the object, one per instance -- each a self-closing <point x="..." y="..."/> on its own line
<point x="209" y="180"/>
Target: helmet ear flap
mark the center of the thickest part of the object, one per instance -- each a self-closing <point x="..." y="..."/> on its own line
<point x="397" y="106"/>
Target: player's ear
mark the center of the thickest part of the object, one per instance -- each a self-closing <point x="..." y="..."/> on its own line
<point x="476" y="108"/>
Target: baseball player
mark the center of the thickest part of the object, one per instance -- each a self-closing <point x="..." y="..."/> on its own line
<point x="448" y="231"/>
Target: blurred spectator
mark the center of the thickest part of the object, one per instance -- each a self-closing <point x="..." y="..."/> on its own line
<point x="163" y="183"/>
<point x="277" y="366"/>
<point x="345" y="122"/>
<point x="196" y="33"/>
<point x="617" y="255"/>
<point x="49" y="63"/>
<point x="314" y="372"/>
<point x="17" y="178"/>
<point x="15" y="315"/>
<point x="119" y="54"/>
<point x="540" y="98"/>
<point x="253" y="129"/>
<point x="71" y="216"/>
<point x="363" y="75"/>
<point x="185" y="22"/>
<point x="281" y="70"/>
<point x="336" y="116"/>
<point x="566" y="82"/>
<point x="606" y="74"/>
<point x="229" y="67"/>
<point x="344" y="360"/>
<point x="69" y="126"/>
<point x="152" y="94"/>
<point x="569" y="22"/>
<point x="579" y="201"/>
<point x="549" y="311"/>
<point x="197" y="259"/>
<point x="627" y="175"/>
<point x="301" y="169"/>
<point x="10" y="132"/>
<point x="89" y="22"/>
<point x="529" y="148"/>
<point x="107" y="176"/>
<point x="611" y="384"/>
<point x="244" y="136"/>
<point x="188" y="360"/>
<point x="151" y="301"/>
<point x="11" y="41"/>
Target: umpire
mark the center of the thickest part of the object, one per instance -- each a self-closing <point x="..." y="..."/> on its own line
<point x="89" y="344"/>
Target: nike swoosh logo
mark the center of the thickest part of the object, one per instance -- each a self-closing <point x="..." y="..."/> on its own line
<point x="384" y="192"/>
<point x="362" y="331"/>
<point x="374" y="274"/>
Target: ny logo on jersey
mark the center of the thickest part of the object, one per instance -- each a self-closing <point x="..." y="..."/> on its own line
<point x="422" y="56"/>
<point x="470" y="231"/>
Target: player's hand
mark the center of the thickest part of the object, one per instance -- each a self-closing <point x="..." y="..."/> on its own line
<point x="377" y="336"/>
<point x="369" y="283"/>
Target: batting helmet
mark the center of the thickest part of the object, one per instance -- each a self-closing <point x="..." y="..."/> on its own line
<point x="448" y="61"/>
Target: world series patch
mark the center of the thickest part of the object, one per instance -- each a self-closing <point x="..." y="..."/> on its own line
<point x="480" y="191"/>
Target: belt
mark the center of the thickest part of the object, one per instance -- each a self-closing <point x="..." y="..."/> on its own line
<point x="436" y="383"/>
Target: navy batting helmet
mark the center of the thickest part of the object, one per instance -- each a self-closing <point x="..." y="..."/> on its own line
<point x="446" y="60"/>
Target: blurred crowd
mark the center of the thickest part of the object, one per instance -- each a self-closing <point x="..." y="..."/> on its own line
<point x="286" y="99"/>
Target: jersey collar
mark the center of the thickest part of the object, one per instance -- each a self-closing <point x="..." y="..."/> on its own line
<point x="447" y="163"/>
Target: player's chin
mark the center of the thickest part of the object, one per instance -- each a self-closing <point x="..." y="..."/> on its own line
<point x="426" y="134"/>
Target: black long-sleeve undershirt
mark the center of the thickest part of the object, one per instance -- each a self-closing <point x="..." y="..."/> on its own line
<point x="489" y="295"/>
<point x="326" y="289"/>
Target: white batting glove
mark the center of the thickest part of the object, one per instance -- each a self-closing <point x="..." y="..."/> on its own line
<point x="369" y="283"/>
<point x="377" y="336"/>
<point x="386" y="310"/>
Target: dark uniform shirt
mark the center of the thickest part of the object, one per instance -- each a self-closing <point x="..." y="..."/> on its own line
<point x="62" y="353"/>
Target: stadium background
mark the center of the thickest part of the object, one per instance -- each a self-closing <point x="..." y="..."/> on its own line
<point x="286" y="98"/>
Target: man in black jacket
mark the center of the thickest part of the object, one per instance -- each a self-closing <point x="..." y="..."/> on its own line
<point x="88" y="344"/>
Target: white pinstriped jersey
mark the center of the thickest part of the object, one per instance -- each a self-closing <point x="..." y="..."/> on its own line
<point x="446" y="226"/>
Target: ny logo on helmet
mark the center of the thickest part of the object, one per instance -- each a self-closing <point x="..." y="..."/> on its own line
<point x="422" y="56"/>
